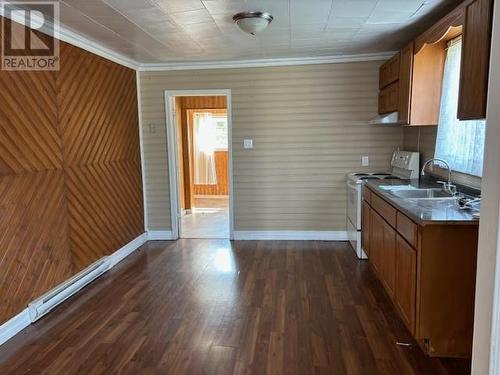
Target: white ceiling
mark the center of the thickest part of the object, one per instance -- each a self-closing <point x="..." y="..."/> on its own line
<point x="169" y="31"/>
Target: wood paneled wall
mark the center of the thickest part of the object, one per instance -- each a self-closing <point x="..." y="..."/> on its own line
<point x="70" y="174"/>
<point x="221" y="160"/>
<point x="185" y="106"/>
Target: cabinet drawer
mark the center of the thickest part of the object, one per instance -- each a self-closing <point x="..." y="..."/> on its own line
<point x="407" y="228"/>
<point x="367" y="194"/>
<point x="384" y="209"/>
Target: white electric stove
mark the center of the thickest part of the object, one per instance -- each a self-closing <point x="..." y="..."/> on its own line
<point x="405" y="165"/>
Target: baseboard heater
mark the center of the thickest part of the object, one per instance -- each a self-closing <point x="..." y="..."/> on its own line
<point x="62" y="292"/>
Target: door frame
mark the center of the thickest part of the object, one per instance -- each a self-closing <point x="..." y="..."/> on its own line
<point x="173" y="163"/>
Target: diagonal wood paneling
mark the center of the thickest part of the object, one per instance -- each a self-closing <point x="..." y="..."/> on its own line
<point x="70" y="175"/>
<point x="29" y="139"/>
<point x="34" y="248"/>
<point x="97" y="109"/>
<point x="98" y="119"/>
<point x="105" y="208"/>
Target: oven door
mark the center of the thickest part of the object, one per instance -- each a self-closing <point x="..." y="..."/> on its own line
<point x="354" y="204"/>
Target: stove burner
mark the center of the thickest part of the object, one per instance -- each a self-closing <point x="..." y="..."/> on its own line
<point x="360" y="174"/>
<point x="391" y="178"/>
<point x="369" y="178"/>
<point x="382" y="174"/>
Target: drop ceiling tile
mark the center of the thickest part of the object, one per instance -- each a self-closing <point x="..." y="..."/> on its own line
<point x="91" y="7"/>
<point x="340" y="34"/>
<point x="146" y="16"/>
<point x="173" y="6"/>
<point x="352" y="9"/>
<point x="191" y="17"/>
<point x="235" y="6"/>
<point x="409" y="6"/>
<point x="345" y="22"/>
<point x="198" y="31"/>
<point x="309" y="28"/>
<point x="127" y="5"/>
<point x="387" y="17"/>
<point x="309" y="12"/>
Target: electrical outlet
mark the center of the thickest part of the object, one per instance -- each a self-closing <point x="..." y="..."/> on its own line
<point x="248" y="143"/>
<point x="365" y="161"/>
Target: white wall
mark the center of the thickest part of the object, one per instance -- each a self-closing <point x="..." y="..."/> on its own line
<point x="489" y="228"/>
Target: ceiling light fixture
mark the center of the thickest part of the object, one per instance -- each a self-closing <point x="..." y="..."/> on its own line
<point x="252" y="22"/>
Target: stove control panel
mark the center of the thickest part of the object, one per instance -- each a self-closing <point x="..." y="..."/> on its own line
<point x="406" y="164"/>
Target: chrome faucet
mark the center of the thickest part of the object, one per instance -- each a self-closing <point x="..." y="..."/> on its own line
<point x="448" y="186"/>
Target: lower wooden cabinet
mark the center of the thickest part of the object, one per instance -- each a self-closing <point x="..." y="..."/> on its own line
<point x="382" y="244"/>
<point x="366" y="224"/>
<point x="389" y="258"/>
<point x="406" y="282"/>
<point x="428" y="272"/>
<point x="376" y="242"/>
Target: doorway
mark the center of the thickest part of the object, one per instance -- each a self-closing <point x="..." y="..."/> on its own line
<point x="199" y="151"/>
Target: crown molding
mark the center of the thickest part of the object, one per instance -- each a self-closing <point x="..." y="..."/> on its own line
<point x="71" y="37"/>
<point x="232" y="64"/>
<point x="67" y="35"/>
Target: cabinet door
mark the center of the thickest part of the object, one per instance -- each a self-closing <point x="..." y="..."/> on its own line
<point x="376" y="241"/>
<point x="389" y="72"/>
<point x="476" y="41"/>
<point x="365" y="228"/>
<point x="405" y="80"/>
<point x="388" y="258"/>
<point x="406" y="280"/>
<point x="388" y="99"/>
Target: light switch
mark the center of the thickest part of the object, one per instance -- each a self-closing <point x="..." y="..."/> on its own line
<point x="365" y="161"/>
<point x="248" y="143"/>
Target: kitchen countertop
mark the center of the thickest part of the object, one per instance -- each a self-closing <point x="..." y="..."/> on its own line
<point x="424" y="211"/>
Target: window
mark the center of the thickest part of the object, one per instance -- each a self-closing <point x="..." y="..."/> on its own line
<point x="221" y="138"/>
<point x="461" y="143"/>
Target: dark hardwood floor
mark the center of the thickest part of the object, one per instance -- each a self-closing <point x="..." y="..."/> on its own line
<point x="216" y="307"/>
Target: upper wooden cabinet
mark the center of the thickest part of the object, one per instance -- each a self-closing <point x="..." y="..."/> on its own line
<point x="415" y="93"/>
<point x="476" y="42"/>
<point x="388" y="98"/>
<point x="389" y="72"/>
<point x="405" y="83"/>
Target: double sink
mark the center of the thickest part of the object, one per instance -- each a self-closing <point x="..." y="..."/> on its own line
<point x="414" y="193"/>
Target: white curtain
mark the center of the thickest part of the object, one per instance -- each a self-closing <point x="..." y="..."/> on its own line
<point x="204" y="149"/>
<point x="461" y="143"/>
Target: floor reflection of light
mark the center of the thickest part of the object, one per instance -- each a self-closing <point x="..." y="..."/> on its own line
<point x="223" y="260"/>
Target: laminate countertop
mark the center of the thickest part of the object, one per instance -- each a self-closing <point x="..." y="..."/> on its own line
<point x="423" y="211"/>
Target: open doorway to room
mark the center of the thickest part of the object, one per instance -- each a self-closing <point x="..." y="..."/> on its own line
<point x="202" y="165"/>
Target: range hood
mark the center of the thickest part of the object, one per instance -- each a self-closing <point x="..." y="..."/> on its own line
<point x="385" y="119"/>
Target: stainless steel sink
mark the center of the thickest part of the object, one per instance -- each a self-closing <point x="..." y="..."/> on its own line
<point x="421" y="193"/>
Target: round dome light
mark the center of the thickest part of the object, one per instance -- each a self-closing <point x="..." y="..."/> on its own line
<point x="252" y="22"/>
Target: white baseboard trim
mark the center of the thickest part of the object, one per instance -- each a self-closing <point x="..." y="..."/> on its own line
<point x="23" y="319"/>
<point x="291" y="235"/>
<point x="15" y="325"/>
<point x="160" y="235"/>
<point x="128" y="249"/>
